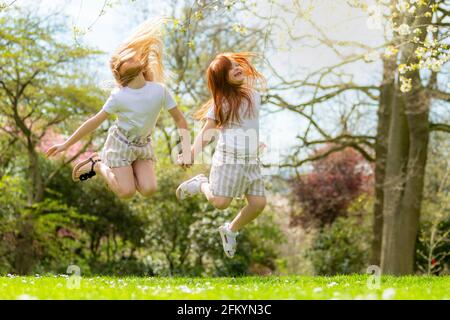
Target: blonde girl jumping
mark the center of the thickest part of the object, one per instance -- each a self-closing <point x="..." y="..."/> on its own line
<point x="127" y="161"/>
<point x="235" y="171"/>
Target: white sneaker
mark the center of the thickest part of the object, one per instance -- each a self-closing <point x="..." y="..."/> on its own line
<point x="190" y="187"/>
<point x="228" y="240"/>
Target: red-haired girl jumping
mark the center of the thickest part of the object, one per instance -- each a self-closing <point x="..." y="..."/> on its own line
<point x="235" y="171"/>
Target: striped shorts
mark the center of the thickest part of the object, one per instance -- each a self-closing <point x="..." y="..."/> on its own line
<point x="118" y="151"/>
<point x="235" y="180"/>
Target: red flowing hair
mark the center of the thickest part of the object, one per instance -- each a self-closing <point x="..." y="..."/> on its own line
<point x="223" y="92"/>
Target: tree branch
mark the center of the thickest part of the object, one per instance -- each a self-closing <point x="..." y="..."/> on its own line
<point x="439" y="127"/>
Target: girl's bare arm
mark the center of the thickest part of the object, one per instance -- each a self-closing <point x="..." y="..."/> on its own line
<point x="86" y="128"/>
<point x="204" y="137"/>
<point x="183" y="131"/>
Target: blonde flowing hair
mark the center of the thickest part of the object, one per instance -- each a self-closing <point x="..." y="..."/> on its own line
<point x="144" y="50"/>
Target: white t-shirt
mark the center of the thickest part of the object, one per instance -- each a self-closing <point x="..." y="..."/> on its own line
<point x="137" y="110"/>
<point x="239" y="140"/>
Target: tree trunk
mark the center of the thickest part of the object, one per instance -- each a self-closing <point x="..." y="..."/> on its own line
<point x="381" y="145"/>
<point x="404" y="185"/>
<point x="26" y="252"/>
<point x="405" y="166"/>
<point x="36" y="187"/>
<point x="396" y="160"/>
<point x="417" y="116"/>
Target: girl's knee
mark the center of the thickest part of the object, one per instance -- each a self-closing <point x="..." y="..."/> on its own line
<point x="126" y="192"/>
<point x="258" y="204"/>
<point x="220" y="203"/>
<point x="148" y="191"/>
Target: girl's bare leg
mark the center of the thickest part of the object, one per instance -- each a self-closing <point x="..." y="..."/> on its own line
<point x="255" y="205"/>
<point x="217" y="201"/>
<point x="145" y="177"/>
<point x="120" y="180"/>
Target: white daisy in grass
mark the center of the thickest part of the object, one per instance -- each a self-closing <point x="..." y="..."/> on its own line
<point x="26" y="297"/>
<point x="372" y="296"/>
<point x="388" y="294"/>
<point x="317" y="290"/>
<point x="332" y="284"/>
<point x="185" y="289"/>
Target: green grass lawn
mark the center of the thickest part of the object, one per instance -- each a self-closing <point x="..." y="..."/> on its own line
<point x="292" y="287"/>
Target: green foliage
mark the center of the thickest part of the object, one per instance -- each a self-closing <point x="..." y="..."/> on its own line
<point x="433" y="241"/>
<point x="12" y="201"/>
<point x="45" y="81"/>
<point x="433" y="247"/>
<point x="341" y="248"/>
<point x="31" y="234"/>
<point x="113" y="231"/>
<point x="49" y="72"/>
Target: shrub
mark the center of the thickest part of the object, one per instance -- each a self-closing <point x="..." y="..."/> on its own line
<point x="433" y="247"/>
<point x="341" y="248"/>
<point x="36" y="238"/>
<point x="326" y="192"/>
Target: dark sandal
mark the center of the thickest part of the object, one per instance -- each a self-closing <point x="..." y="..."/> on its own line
<point x="87" y="175"/>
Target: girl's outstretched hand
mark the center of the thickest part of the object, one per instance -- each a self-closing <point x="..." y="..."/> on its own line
<point x="55" y="149"/>
<point x="182" y="162"/>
